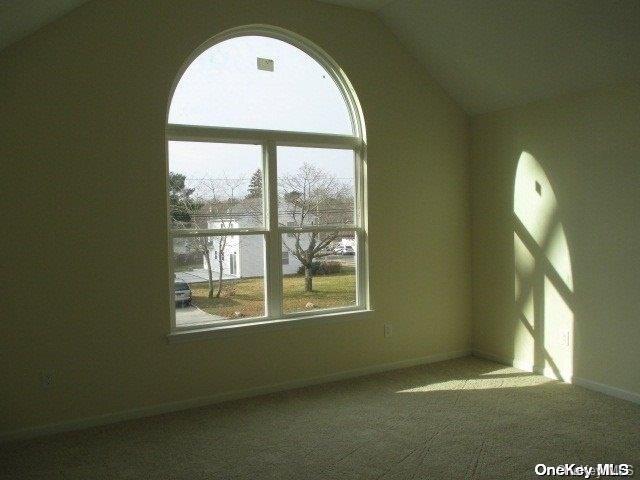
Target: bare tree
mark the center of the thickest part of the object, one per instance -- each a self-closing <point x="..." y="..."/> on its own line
<point x="188" y="215"/>
<point x="222" y="212"/>
<point x="312" y="196"/>
<point x="211" y="207"/>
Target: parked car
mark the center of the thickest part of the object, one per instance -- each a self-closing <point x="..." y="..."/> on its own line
<point x="182" y="293"/>
<point x="348" y="250"/>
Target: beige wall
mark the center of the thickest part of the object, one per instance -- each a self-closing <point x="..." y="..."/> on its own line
<point x="589" y="148"/>
<point x="85" y="249"/>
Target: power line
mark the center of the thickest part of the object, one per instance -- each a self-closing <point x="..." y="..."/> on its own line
<point x="245" y="178"/>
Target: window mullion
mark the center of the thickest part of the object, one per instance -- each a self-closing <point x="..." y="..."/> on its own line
<point x="219" y="232"/>
<point x="196" y="133"/>
<point x="273" y="242"/>
<point x="357" y="213"/>
<point x="362" y="260"/>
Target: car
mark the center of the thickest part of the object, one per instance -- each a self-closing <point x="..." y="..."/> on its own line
<point x="182" y="293"/>
<point x="348" y="250"/>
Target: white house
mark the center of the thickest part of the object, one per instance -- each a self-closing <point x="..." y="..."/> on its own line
<point x="347" y="242"/>
<point x="243" y="255"/>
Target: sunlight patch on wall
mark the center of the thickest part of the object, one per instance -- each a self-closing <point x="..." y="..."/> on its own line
<point x="535" y="210"/>
<point x="524" y="343"/>
<point x="543" y="275"/>
<point x="525" y="264"/>
<point x="558" y="338"/>
<point x="557" y="252"/>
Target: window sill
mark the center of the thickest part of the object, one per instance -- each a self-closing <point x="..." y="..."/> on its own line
<point x="217" y="331"/>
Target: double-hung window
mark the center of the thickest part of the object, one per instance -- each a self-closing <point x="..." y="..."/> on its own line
<point x="266" y="161"/>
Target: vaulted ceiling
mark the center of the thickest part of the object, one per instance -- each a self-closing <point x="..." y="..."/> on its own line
<point x="19" y="18"/>
<point x="487" y="54"/>
<point x="495" y="54"/>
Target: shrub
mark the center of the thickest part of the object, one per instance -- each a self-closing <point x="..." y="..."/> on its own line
<point x="322" y="268"/>
<point x="331" y="268"/>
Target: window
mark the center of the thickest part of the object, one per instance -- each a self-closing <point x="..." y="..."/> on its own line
<point x="232" y="264"/>
<point x="266" y="158"/>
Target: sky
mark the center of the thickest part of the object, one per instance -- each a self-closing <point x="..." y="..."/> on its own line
<point x="223" y="87"/>
<point x="234" y="164"/>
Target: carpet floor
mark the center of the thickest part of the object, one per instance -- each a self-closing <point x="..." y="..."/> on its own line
<point x="464" y="418"/>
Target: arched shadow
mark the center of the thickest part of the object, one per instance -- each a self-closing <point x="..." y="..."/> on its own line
<point x="544" y="305"/>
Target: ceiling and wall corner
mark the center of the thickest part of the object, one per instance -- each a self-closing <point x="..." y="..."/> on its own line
<point x="487" y="55"/>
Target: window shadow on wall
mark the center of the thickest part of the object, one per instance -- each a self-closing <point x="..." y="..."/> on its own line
<point x="544" y="305"/>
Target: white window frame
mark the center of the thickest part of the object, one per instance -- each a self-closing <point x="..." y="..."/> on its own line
<point x="271" y="231"/>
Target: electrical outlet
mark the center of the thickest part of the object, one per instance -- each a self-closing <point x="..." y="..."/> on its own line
<point x="388" y="330"/>
<point x="565" y="338"/>
<point x="46" y="379"/>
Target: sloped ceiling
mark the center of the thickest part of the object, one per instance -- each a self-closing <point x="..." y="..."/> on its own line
<point x="19" y="18"/>
<point x="495" y="54"/>
<point x="487" y="54"/>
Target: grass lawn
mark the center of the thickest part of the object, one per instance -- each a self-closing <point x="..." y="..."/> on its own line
<point x="247" y="295"/>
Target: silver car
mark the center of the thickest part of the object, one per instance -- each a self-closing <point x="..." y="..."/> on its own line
<point x="348" y="250"/>
<point x="182" y="293"/>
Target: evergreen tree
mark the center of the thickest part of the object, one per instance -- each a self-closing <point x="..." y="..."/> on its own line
<point x="180" y="201"/>
<point x="255" y="185"/>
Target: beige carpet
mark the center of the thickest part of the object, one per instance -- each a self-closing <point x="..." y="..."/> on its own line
<point x="464" y="418"/>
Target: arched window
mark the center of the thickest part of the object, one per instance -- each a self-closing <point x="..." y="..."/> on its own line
<point x="266" y="188"/>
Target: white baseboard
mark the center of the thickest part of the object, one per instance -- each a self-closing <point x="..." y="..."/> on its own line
<point x="114" y="417"/>
<point x="607" y="389"/>
<point x="583" y="382"/>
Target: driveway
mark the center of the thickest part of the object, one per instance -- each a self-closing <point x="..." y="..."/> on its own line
<point x="192" y="315"/>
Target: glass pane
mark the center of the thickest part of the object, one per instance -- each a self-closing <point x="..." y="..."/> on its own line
<point x="223" y="276"/>
<point x="316" y="186"/>
<point x="321" y="272"/>
<point x="259" y="82"/>
<point x="215" y="185"/>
